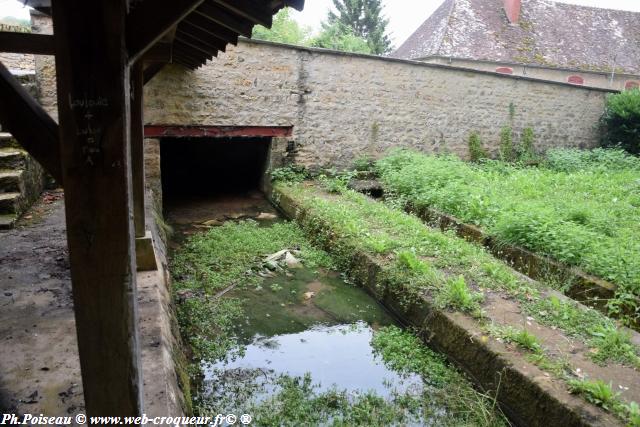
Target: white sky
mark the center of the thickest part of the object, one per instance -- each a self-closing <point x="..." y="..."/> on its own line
<point x="405" y="15"/>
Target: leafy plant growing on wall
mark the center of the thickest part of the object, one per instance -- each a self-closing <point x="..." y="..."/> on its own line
<point x="506" y="144"/>
<point x="526" y="151"/>
<point x="621" y="121"/>
<point x="476" y="149"/>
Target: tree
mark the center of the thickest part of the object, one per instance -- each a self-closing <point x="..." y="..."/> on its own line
<point x="285" y="29"/>
<point x="364" y="18"/>
<point x="337" y="37"/>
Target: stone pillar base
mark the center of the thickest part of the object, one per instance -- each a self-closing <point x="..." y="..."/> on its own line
<point x="145" y="254"/>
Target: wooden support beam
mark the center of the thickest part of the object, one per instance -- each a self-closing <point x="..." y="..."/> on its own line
<point x="149" y="21"/>
<point x="151" y="70"/>
<point x="257" y="12"/>
<point x="159" y="131"/>
<point x="207" y="26"/>
<point x="29" y="123"/>
<point x="36" y="44"/>
<point x="160" y="52"/>
<point x="137" y="146"/>
<point x="92" y="70"/>
<point x="223" y="17"/>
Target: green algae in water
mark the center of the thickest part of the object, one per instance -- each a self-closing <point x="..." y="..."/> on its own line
<point x="301" y="299"/>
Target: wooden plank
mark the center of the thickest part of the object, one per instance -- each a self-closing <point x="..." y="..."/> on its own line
<point x="257" y="12"/>
<point x="168" y="131"/>
<point x="137" y="147"/>
<point x="94" y="109"/>
<point x="223" y="17"/>
<point x="36" y="44"/>
<point x="208" y="26"/>
<point x="206" y="49"/>
<point x="32" y="126"/>
<point x="149" y="21"/>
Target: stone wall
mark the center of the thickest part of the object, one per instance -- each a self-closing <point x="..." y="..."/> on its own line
<point x="343" y="106"/>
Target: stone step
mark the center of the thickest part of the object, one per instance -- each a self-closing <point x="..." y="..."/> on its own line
<point x="7" y="141"/>
<point x="9" y="203"/>
<point x="11" y="181"/>
<point x="12" y="158"/>
<point x="7" y="221"/>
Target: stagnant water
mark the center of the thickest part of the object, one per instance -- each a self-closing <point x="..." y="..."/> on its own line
<point x="313" y="323"/>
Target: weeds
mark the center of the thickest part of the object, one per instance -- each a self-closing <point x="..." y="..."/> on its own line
<point x="476" y="149"/>
<point x="581" y="208"/>
<point x="457" y="295"/>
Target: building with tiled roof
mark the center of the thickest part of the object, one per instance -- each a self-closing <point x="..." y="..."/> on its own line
<point x="534" y="38"/>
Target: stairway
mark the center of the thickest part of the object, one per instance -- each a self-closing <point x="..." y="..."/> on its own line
<point x="21" y="180"/>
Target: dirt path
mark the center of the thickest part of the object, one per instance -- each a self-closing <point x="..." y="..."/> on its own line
<point x="39" y="365"/>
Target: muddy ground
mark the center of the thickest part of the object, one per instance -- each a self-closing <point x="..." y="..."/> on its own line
<point x="39" y="365"/>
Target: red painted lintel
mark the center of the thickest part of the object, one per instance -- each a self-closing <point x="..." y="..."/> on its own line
<point x="156" y="131"/>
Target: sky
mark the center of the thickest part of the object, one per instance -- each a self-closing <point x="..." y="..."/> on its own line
<point x="405" y="16"/>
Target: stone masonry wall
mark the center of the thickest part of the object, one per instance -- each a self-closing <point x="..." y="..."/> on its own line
<point x="343" y="106"/>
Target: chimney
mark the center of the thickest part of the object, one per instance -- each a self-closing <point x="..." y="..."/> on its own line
<point x="512" y="8"/>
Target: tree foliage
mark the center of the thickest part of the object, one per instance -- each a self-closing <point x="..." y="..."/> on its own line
<point x="365" y="19"/>
<point x="621" y="120"/>
<point x="285" y="29"/>
<point x="337" y="37"/>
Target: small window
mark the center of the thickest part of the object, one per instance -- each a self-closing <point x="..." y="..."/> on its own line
<point x="504" y="70"/>
<point x="631" y="84"/>
<point x="575" y="80"/>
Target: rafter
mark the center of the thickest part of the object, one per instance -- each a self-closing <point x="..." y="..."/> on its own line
<point x="149" y="21"/>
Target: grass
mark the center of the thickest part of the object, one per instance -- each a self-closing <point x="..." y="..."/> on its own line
<point x="422" y="261"/>
<point x="581" y="207"/>
<point x="209" y="262"/>
<point x="453" y="271"/>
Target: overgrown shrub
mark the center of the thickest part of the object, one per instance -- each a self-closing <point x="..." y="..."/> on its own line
<point x="574" y="159"/>
<point x="621" y="121"/>
<point x="476" y="149"/>
<point x="506" y="144"/>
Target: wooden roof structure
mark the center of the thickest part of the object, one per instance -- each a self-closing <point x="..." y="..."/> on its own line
<point x="105" y="51"/>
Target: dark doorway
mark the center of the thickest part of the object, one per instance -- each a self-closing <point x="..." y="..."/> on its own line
<point x="204" y="167"/>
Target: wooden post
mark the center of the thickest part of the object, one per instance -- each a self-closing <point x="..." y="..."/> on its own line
<point x="137" y="146"/>
<point x="94" y="106"/>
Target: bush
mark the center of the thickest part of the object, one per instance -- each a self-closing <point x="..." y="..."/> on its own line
<point x="526" y="151"/>
<point x="621" y="121"/>
<point x="574" y="159"/>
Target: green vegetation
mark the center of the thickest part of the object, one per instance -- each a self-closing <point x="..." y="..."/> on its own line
<point x="210" y="262"/>
<point x="334" y="36"/>
<point x="601" y="394"/>
<point x="581" y="208"/>
<point x="285" y="29"/>
<point x="233" y="254"/>
<point x="289" y="174"/>
<point x="453" y="271"/>
<point x="526" y="149"/>
<point x="418" y="261"/>
<point x="476" y="148"/>
<point x="621" y="121"/>
<point x="363" y="19"/>
<point x="507" y="150"/>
